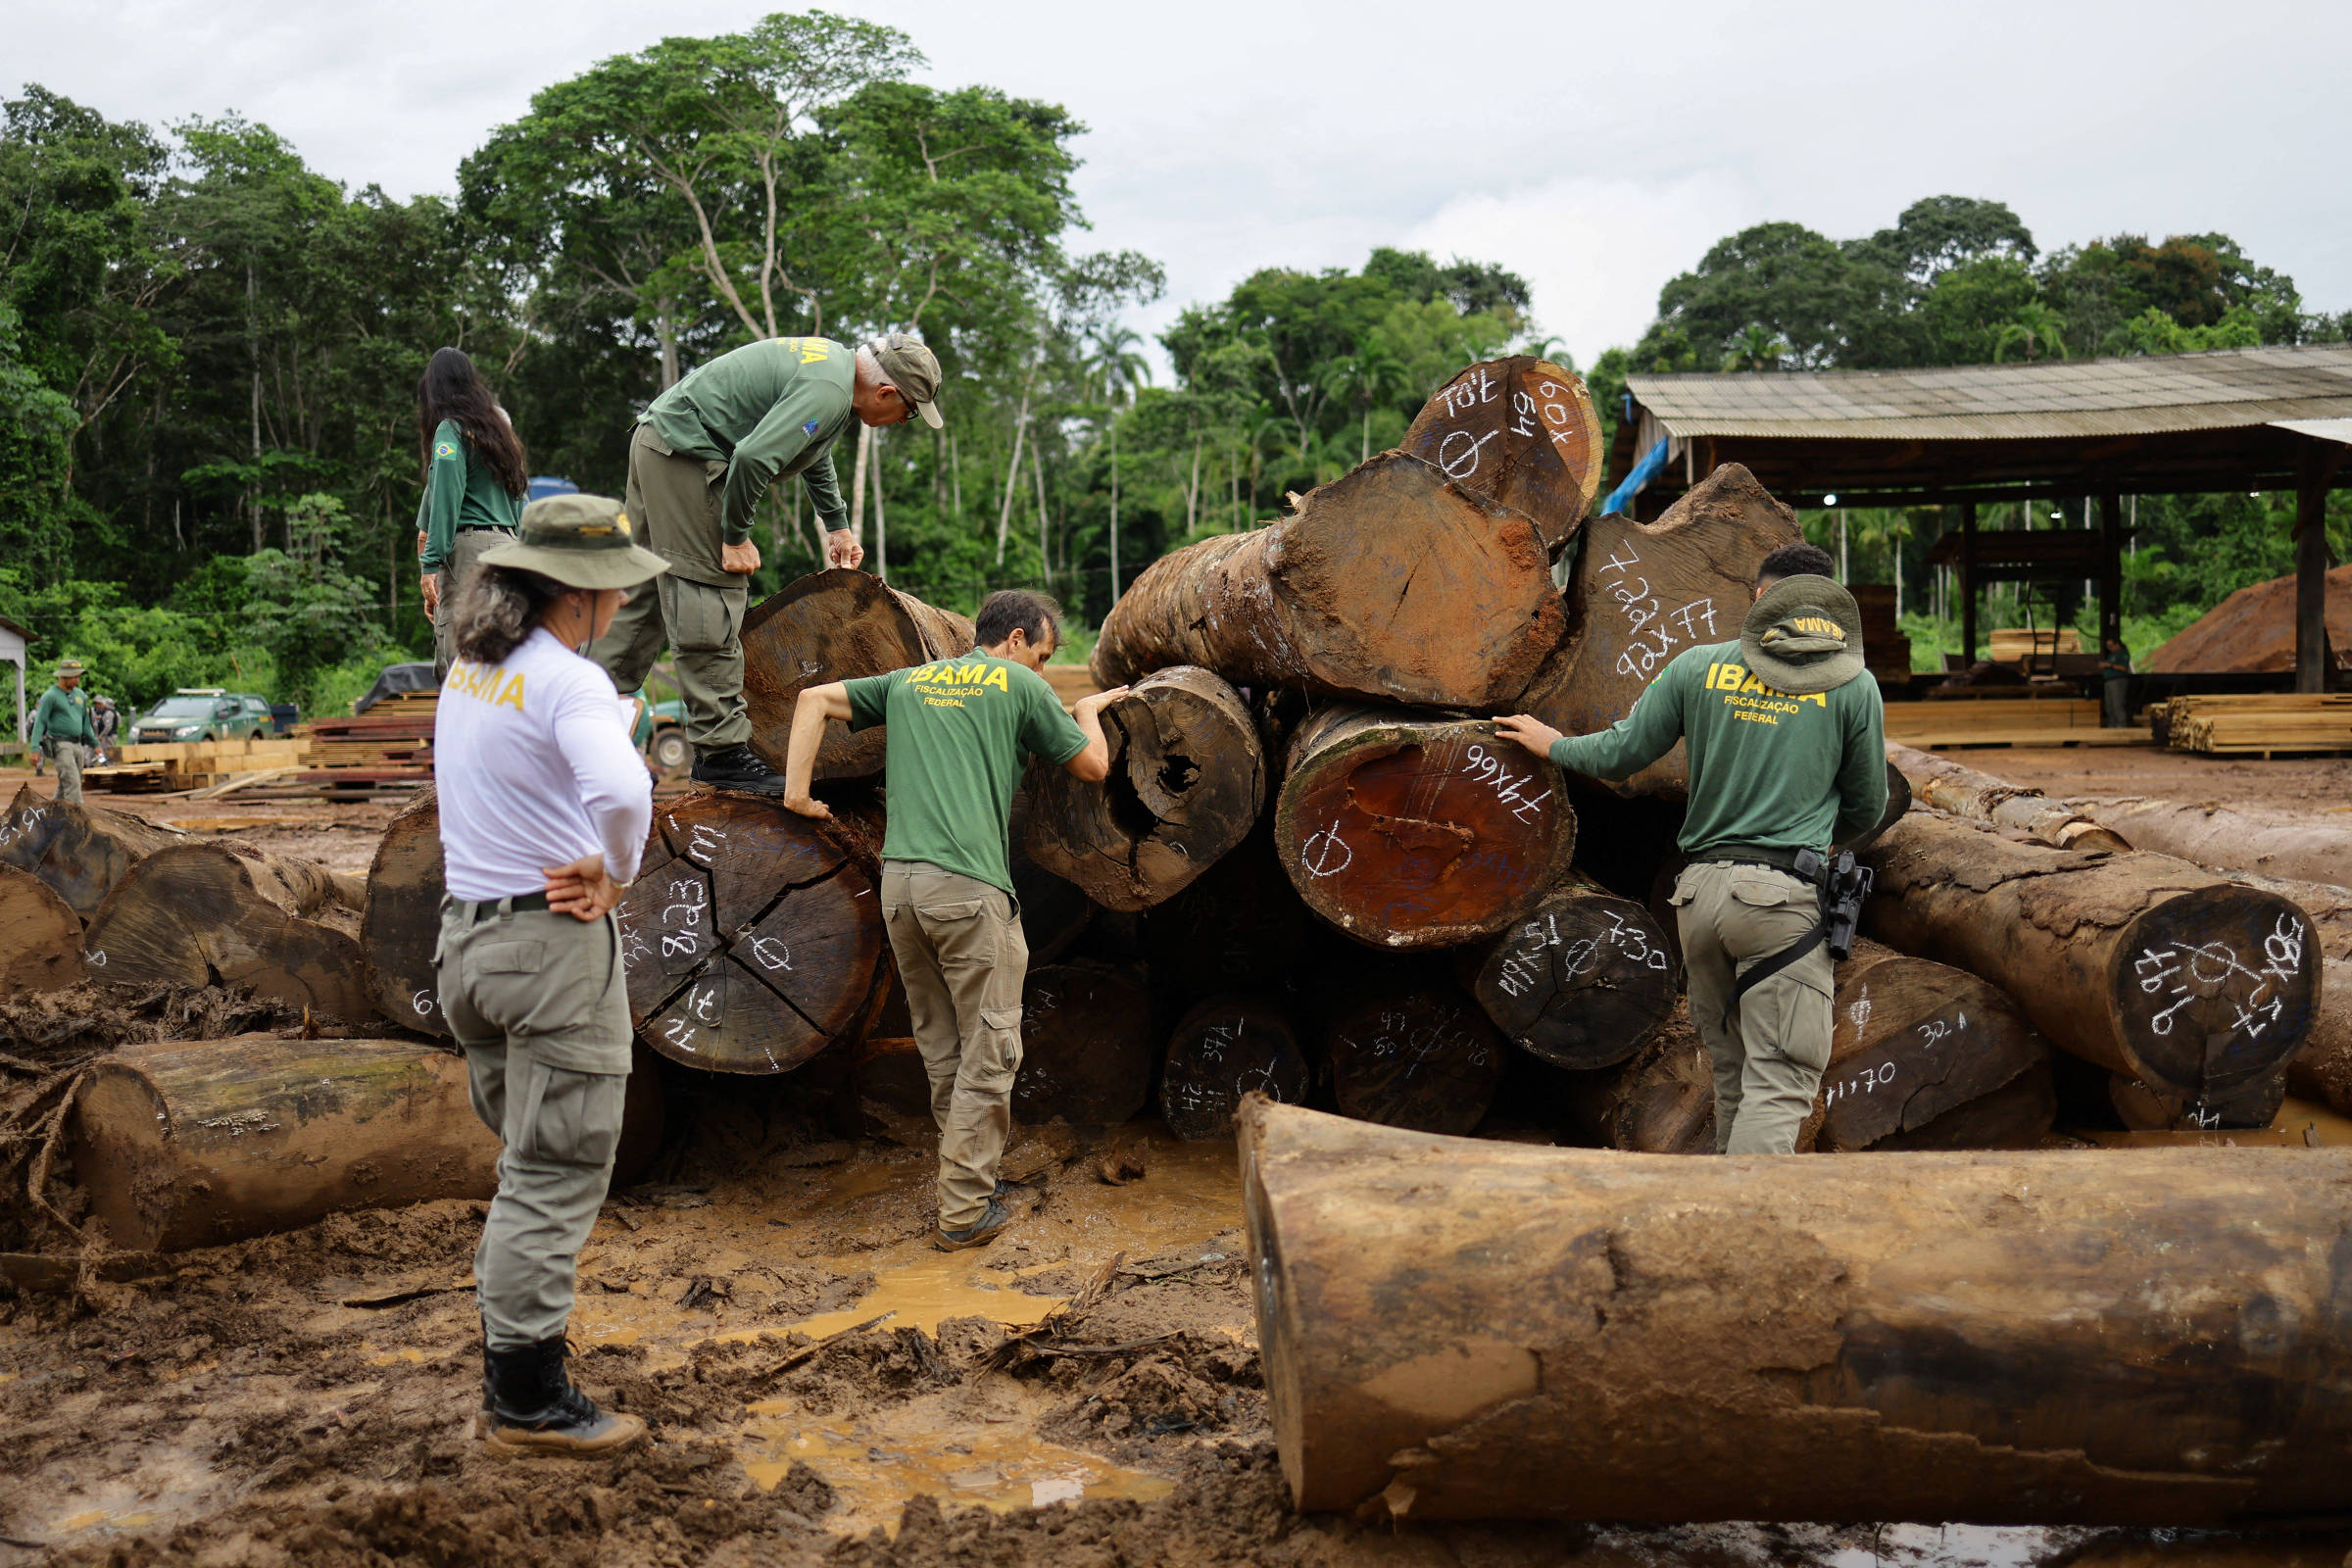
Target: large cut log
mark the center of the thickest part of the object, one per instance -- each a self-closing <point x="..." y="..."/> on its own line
<point x="1410" y="831"/>
<point x="2322" y="1069"/>
<point x="2301" y="847"/>
<point x="1521" y="431"/>
<point x="1055" y="914"/>
<point x="199" y="1143"/>
<point x="1188" y="780"/>
<point x="223" y="913"/>
<point x="1581" y="982"/>
<point x="40" y="935"/>
<point x="1087" y="1046"/>
<point x="1465" y="1330"/>
<point x="1413" y="1055"/>
<point x="1220" y="1049"/>
<point x="1643" y="591"/>
<point x="80" y="851"/>
<point x="1661" y="1102"/>
<point x="752" y="936"/>
<point x="2145" y="1109"/>
<point x="1924" y="1055"/>
<point x="2138" y="963"/>
<point x="832" y="625"/>
<point x="1981" y="798"/>
<point x="401" y="927"/>
<point x="1389" y="584"/>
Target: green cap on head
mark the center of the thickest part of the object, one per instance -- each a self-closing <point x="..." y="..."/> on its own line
<point x="70" y="666"/>
<point x="913" y="369"/>
<point x="1804" y="636"/>
<point x="581" y="542"/>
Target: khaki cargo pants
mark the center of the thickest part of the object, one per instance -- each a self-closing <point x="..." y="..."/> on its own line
<point x="673" y="504"/>
<point x="464" y="549"/>
<point x="1768" y="1063"/>
<point x="70" y="755"/>
<point x="963" y="958"/>
<point x="541" y="1005"/>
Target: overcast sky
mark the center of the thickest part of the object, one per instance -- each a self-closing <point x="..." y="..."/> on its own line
<point x="1597" y="149"/>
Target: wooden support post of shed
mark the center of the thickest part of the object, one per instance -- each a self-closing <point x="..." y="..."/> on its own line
<point x="1967" y="583"/>
<point x="2111" y="569"/>
<point x="2312" y="465"/>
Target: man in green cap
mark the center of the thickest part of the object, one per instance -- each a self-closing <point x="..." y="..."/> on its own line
<point x="1787" y="754"/>
<point x="702" y="456"/>
<point x="61" y="728"/>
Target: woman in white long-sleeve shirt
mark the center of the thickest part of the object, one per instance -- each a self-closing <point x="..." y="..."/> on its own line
<point x="544" y="809"/>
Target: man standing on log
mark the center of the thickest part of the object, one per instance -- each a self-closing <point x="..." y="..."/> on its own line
<point x="702" y="456"/>
<point x="61" y="729"/>
<point x="958" y="730"/>
<point x="1787" y="757"/>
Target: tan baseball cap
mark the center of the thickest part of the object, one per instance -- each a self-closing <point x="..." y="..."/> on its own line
<point x="913" y="369"/>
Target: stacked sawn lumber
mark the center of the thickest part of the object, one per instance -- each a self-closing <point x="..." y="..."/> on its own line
<point x="2260" y="722"/>
<point x="191" y="765"/>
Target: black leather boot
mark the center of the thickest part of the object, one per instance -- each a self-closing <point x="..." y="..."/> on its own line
<point x="535" y="1409"/>
<point x="737" y="767"/>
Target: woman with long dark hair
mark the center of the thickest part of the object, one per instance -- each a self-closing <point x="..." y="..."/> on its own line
<point x="475" y="481"/>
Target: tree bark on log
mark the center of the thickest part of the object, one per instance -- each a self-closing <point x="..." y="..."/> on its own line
<point x="1643" y="591"/>
<point x="1418" y="1056"/>
<point x="1466" y="1330"/>
<point x="400" y="925"/>
<point x="837" y="624"/>
<point x="1220" y="1049"/>
<point x="1088" y="1047"/>
<point x="218" y="913"/>
<point x="2300" y="848"/>
<point x="1389" y="584"/>
<point x="1407" y="831"/>
<point x="2138" y="963"/>
<point x="1981" y="797"/>
<point x="1661" y="1102"/>
<point x="1188" y="782"/>
<point x="1522" y="432"/>
<point x="1924" y="1055"/>
<point x="79" y="850"/>
<point x="196" y="1145"/>
<point x="40" y="937"/>
<point x="752" y="936"/>
<point x="1581" y="982"/>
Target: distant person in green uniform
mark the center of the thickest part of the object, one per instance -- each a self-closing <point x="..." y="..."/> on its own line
<point x="959" y="730"/>
<point x="1788" y="752"/>
<point x="475" y="481"/>
<point x="2115" y="666"/>
<point x="61" y="728"/>
<point x="702" y="456"/>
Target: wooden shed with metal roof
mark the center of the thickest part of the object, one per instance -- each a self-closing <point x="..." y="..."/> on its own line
<point x="2259" y="419"/>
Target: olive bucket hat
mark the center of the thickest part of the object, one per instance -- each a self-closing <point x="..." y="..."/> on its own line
<point x="1804" y="636"/>
<point x="581" y="542"/>
<point x="70" y="666"/>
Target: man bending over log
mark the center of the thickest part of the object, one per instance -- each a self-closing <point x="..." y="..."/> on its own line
<point x="702" y="456"/>
<point x="1786" y="756"/>
<point x="957" y="732"/>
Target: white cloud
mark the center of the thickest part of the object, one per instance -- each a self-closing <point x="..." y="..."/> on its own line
<point x="1594" y="249"/>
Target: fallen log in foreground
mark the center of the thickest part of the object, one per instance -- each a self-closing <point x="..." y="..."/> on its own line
<point x="1520" y="431"/>
<point x="1389" y="584"/>
<point x="1981" y="798"/>
<point x="1466" y="1330"/>
<point x="1581" y="982"/>
<point x="197" y="914"/>
<point x="838" y="625"/>
<point x="1407" y="831"/>
<point x="752" y="936"/>
<point x="2300" y="848"/>
<point x="2138" y="963"/>
<point x="79" y="850"/>
<point x="1188" y="780"/>
<point x="195" y="1144"/>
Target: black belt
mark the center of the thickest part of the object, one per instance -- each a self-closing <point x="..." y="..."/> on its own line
<point x="483" y="527"/>
<point x="1771" y="859"/>
<point x="520" y="904"/>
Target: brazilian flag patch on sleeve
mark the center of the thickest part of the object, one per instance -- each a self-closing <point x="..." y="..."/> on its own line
<point x="445" y="449"/>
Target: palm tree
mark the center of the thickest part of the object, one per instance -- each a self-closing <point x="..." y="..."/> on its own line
<point x="1371" y="375"/>
<point x="2037" y="330"/>
<point x="1544" y="349"/>
<point x="1124" y="372"/>
<point x="1759" y="348"/>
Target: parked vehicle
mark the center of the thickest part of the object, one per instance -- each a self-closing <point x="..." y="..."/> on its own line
<point x="202" y="713"/>
<point x="662" y="733"/>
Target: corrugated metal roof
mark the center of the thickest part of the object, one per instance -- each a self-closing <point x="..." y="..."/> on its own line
<point x="2337" y="430"/>
<point x="2223" y="389"/>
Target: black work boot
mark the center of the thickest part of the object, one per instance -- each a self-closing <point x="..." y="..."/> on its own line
<point x="736" y="767"/>
<point x="535" y="1409"/>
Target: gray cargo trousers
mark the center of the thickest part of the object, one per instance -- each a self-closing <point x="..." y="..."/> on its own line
<point x="540" y="1003"/>
<point x="466" y="548"/>
<point x="1769" y="1060"/>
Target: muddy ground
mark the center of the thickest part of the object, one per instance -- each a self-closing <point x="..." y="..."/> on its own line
<point x="822" y="1385"/>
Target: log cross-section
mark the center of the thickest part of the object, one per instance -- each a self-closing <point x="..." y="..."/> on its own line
<point x="1581" y="982"/>
<point x="1521" y="431"/>
<point x="832" y="625"/>
<point x="1223" y="1048"/>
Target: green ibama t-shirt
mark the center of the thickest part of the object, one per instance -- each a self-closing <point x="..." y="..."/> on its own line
<point x="958" y="732"/>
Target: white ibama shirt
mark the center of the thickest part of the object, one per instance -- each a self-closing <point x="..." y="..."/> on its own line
<point x="534" y="768"/>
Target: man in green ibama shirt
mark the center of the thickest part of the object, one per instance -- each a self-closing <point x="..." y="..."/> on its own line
<point x="61" y="728"/>
<point x="1788" y="754"/>
<point x="702" y="456"/>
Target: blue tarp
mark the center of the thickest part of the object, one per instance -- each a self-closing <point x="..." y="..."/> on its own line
<point x="1644" y="471"/>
